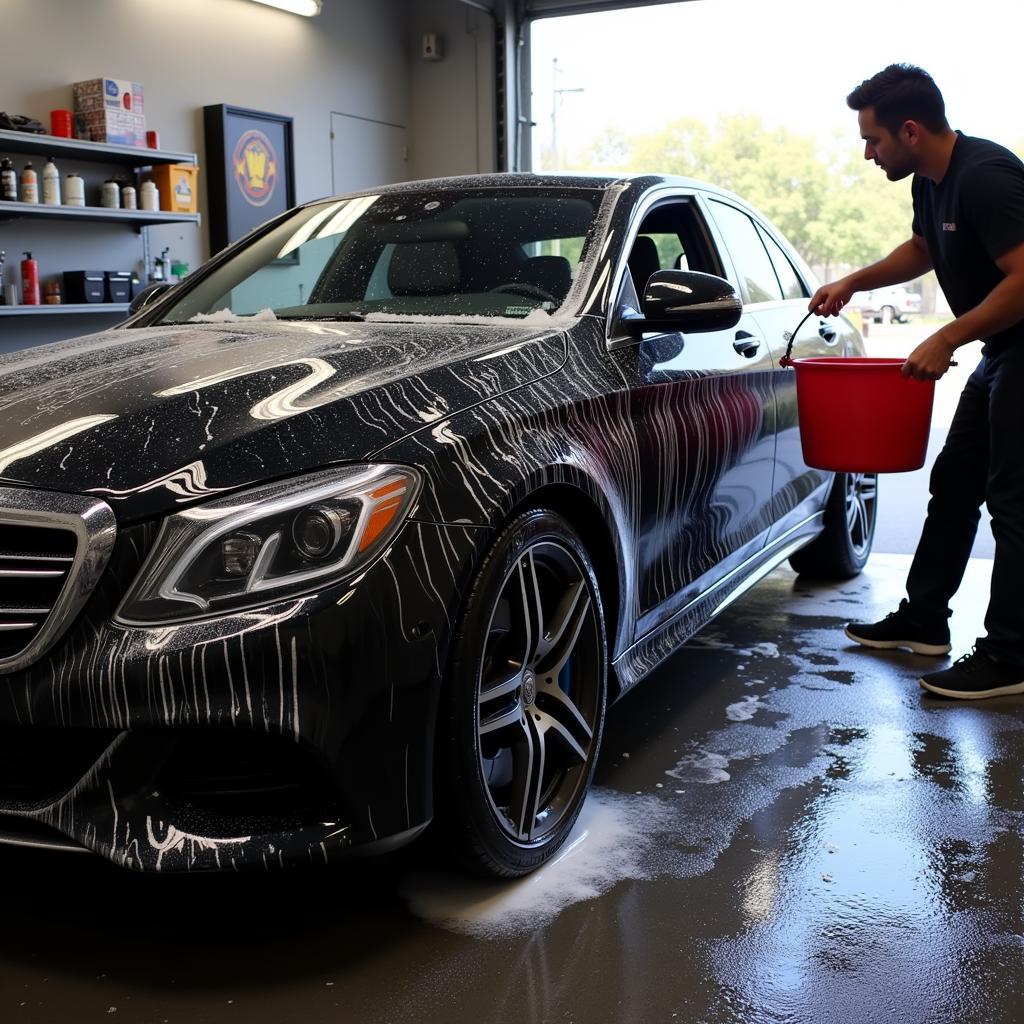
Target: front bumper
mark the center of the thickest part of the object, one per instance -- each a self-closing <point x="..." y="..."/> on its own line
<point x="297" y="732"/>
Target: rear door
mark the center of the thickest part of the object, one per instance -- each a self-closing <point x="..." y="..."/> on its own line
<point x="776" y="296"/>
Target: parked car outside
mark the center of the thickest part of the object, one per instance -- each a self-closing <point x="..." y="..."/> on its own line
<point x="362" y="525"/>
<point x="895" y="304"/>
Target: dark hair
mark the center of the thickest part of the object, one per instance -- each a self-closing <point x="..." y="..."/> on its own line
<point x="902" y="92"/>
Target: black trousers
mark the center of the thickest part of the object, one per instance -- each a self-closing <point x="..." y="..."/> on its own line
<point x="982" y="461"/>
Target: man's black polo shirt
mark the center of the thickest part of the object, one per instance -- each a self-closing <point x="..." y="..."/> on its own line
<point x="970" y="219"/>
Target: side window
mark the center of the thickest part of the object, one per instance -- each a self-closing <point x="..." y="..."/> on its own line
<point x="792" y="286"/>
<point x="757" y="275"/>
<point x="670" y="250"/>
<point x="672" y="237"/>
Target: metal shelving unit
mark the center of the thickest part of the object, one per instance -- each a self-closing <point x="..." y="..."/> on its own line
<point x="137" y="218"/>
<point x="109" y="308"/>
<point x="127" y="157"/>
<point x="54" y="145"/>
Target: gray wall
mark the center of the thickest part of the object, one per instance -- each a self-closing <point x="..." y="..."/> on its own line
<point x="187" y="54"/>
<point x="452" y="100"/>
<point x="362" y="57"/>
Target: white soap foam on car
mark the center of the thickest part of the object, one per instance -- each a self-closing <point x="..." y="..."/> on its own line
<point x="450" y="320"/>
<point x="225" y="316"/>
<point x="607" y="845"/>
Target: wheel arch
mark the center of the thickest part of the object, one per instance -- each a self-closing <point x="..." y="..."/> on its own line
<point x="579" y="502"/>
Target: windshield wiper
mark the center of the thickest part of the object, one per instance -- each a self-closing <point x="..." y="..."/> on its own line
<point x="353" y="315"/>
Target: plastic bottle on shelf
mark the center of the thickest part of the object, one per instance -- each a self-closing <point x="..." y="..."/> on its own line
<point x="149" y="195"/>
<point x="74" y="190"/>
<point x="29" y="281"/>
<point x="29" y="184"/>
<point x="110" y="194"/>
<point x="51" y="184"/>
<point x="128" y="197"/>
<point x="8" y="181"/>
<point x="3" y="294"/>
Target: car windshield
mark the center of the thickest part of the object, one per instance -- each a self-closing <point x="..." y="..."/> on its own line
<point x="484" y="253"/>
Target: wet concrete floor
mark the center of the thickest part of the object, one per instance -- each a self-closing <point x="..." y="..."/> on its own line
<point x="784" y="829"/>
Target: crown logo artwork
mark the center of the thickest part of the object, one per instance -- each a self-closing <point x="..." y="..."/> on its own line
<point x="254" y="163"/>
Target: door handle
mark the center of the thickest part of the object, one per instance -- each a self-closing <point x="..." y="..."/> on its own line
<point x="746" y="344"/>
<point x="828" y="333"/>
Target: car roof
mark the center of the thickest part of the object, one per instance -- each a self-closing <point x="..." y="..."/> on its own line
<point x="513" y="180"/>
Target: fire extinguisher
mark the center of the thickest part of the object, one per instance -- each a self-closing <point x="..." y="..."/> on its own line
<point x="29" y="281"/>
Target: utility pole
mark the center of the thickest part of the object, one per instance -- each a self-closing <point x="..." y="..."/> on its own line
<point x="556" y="100"/>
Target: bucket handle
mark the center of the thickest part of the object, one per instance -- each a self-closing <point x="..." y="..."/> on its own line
<point x="786" y="360"/>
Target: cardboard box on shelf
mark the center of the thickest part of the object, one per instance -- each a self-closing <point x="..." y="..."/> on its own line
<point x="109" y="94"/>
<point x="176" y="184"/>
<point x="110" y="110"/>
<point x="111" y="127"/>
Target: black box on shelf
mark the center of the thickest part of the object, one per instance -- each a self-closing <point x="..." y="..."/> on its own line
<point x="83" y="286"/>
<point x="118" y="285"/>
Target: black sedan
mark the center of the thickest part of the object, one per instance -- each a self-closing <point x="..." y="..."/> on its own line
<point x="364" y="524"/>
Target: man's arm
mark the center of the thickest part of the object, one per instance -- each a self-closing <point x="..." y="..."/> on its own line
<point x="1002" y="308"/>
<point x="904" y="263"/>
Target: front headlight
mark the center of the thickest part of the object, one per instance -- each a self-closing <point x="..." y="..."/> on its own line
<point x="268" y="543"/>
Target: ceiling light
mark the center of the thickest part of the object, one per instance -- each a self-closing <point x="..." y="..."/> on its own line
<point x="307" y="8"/>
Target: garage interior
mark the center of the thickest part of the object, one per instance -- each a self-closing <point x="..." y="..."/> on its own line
<point x="782" y="829"/>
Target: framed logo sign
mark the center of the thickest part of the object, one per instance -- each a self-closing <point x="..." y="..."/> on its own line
<point x="250" y="170"/>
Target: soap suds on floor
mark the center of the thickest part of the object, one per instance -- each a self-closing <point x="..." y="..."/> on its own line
<point x="607" y="845"/>
<point x="744" y="710"/>
<point x="701" y="766"/>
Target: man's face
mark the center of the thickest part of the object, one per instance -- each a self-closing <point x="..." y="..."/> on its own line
<point x="893" y="153"/>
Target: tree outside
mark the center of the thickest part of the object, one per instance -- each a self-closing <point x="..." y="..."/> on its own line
<point x="837" y="210"/>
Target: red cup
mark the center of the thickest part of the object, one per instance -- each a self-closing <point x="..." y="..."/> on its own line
<point x="60" y="123"/>
<point x="153" y="140"/>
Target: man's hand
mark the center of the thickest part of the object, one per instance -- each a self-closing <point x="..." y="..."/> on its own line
<point x="931" y="359"/>
<point x="829" y="299"/>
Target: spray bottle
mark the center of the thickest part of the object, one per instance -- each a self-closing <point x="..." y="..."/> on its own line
<point x="29" y="281"/>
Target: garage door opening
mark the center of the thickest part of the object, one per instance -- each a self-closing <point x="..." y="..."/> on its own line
<point x="752" y="97"/>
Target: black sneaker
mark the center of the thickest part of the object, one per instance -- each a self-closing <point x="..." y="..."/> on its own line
<point x="898" y="629"/>
<point x="975" y="676"/>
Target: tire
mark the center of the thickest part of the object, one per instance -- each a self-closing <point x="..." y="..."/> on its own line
<point x="524" y="701"/>
<point x="842" y="549"/>
<point x="888" y="315"/>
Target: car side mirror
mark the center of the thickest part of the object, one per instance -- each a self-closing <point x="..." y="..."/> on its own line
<point x="146" y="295"/>
<point x="684" y="300"/>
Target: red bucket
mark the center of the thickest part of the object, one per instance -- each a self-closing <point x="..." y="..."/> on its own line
<point x="862" y="415"/>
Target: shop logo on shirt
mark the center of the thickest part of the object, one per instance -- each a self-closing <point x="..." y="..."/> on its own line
<point x="948" y="227"/>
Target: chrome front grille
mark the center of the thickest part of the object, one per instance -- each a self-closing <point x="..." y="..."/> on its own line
<point x="53" y="549"/>
<point x="34" y="567"/>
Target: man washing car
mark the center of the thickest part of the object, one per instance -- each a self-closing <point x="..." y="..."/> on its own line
<point x="969" y="227"/>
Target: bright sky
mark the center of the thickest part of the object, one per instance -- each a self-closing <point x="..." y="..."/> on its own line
<point x="791" y="61"/>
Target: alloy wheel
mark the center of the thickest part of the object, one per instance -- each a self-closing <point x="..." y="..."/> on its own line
<point x="861" y="498"/>
<point x="539" y="693"/>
